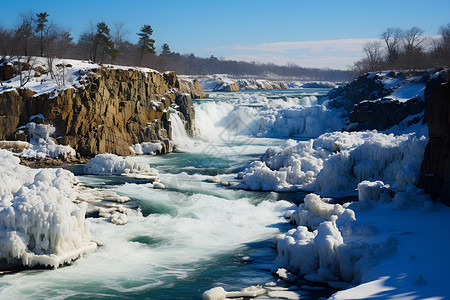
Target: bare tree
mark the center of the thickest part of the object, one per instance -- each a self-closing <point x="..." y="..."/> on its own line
<point x="23" y="35"/>
<point x="372" y="50"/>
<point x="413" y="39"/>
<point x="5" y="42"/>
<point x="25" y="69"/>
<point x="118" y="39"/>
<point x="441" y="47"/>
<point x="392" y="37"/>
<point x="86" y="43"/>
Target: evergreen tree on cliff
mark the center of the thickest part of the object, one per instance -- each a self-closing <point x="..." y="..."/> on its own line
<point x="103" y="44"/>
<point x="145" y="43"/>
<point x="41" y="24"/>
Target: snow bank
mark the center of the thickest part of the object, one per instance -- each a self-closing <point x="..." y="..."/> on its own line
<point x="42" y="145"/>
<point x="39" y="223"/>
<point x="379" y="244"/>
<point x="113" y="164"/>
<point x="146" y="148"/>
<point x="334" y="163"/>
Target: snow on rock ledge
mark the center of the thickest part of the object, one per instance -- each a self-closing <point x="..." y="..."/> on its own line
<point x="39" y="223"/>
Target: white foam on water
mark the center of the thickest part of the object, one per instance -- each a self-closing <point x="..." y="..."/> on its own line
<point x="201" y="228"/>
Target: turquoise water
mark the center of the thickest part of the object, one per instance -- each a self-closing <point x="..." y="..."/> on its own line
<point x="188" y="238"/>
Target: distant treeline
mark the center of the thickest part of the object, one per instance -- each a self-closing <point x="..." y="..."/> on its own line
<point x="409" y="49"/>
<point x="35" y="35"/>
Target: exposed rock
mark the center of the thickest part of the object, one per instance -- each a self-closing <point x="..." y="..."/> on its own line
<point x="435" y="169"/>
<point x="372" y="102"/>
<point x="7" y="71"/>
<point x="232" y="87"/>
<point x="114" y="109"/>
<point x="382" y="114"/>
<point x="184" y="103"/>
<point x="366" y="87"/>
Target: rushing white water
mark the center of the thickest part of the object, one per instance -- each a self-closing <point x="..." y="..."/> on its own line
<point x="266" y="115"/>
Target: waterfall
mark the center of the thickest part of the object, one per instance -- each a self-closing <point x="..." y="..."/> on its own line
<point x="180" y="137"/>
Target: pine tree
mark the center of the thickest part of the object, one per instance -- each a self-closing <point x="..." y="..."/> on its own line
<point x="103" y="43"/>
<point x="41" y="24"/>
<point x="165" y="50"/>
<point x="145" y="43"/>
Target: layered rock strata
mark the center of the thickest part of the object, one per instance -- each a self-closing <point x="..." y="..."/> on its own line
<point x="113" y="109"/>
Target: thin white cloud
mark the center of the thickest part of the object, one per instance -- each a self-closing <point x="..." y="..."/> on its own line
<point x="332" y="62"/>
<point x="334" y="54"/>
<point x="315" y="46"/>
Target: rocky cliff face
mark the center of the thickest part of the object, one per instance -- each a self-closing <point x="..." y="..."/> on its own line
<point x="384" y="99"/>
<point x="113" y="109"/>
<point x="381" y="100"/>
<point x="435" y="169"/>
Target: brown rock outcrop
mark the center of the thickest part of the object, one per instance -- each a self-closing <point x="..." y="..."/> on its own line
<point x="114" y="109"/>
<point x="232" y="87"/>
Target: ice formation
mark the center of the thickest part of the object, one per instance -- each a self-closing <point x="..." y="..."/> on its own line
<point x="42" y="145"/>
<point x="146" y="148"/>
<point x="219" y="293"/>
<point x="113" y="164"/>
<point x="39" y="223"/>
<point x="334" y="163"/>
<point x="329" y="245"/>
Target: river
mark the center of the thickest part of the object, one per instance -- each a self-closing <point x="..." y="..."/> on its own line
<point x="194" y="235"/>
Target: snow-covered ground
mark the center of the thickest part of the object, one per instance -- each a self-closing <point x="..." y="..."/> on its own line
<point x="392" y="242"/>
<point x="50" y="76"/>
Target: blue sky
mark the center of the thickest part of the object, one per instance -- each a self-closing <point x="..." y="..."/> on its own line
<point x="308" y="33"/>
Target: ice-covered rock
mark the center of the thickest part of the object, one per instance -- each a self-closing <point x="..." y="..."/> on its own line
<point x="42" y="145"/>
<point x="147" y="148"/>
<point x="334" y="163"/>
<point x="113" y="164"/>
<point x="218" y="293"/>
<point x="39" y="223"/>
<point x="329" y="245"/>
